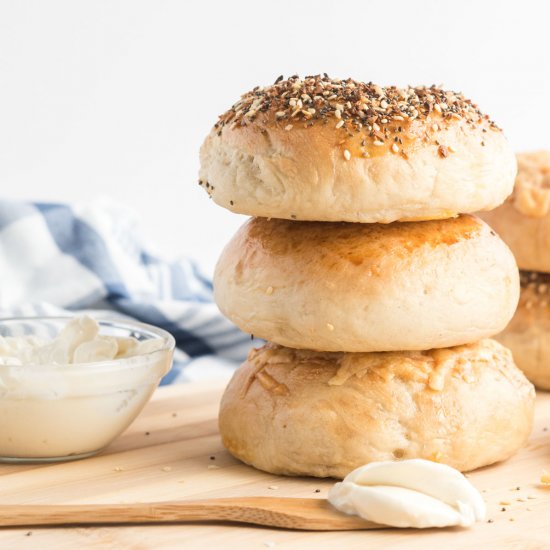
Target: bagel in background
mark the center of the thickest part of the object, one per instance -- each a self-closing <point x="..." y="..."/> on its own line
<point x="523" y="221"/>
<point x="296" y="412"/>
<point x="528" y="334"/>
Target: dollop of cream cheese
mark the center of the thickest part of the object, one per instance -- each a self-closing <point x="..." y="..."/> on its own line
<point x="409" y="493"/>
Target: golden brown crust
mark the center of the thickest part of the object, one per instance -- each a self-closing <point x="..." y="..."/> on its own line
<point x="298" y="412"/>
<point x="367" y="154"/>
<point x="528" y="334"/>
<point x="523" y="221"/>
<point x="367" y="287"/>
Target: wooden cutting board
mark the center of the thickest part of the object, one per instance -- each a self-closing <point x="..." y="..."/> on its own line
<point x="173" y="451"/>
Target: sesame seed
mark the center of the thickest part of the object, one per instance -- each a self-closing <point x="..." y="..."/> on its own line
<point x="269" y="290"/>
<point x="378" y="143"/>
<point x="395" y="148"/>
<point x="362" y="106"/>
<point x="347" y="154"/>
<point x="288" y="127"/>
<point x="273" y="487"/>
<point x="339" y="124"/>
<point x="330" y="327"/>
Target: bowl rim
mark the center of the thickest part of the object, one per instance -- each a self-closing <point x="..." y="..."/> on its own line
<point x="122" y="362"/>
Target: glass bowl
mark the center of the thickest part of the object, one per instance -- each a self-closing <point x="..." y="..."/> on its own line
<point x="57" y="412"/>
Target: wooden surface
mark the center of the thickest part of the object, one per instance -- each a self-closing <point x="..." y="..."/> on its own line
<point x="166" y="454"/>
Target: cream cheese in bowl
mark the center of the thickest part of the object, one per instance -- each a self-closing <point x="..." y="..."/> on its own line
<point x="68" y="387"/>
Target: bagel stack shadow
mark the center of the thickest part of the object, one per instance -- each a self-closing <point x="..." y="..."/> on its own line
<point x="376" y="290"/>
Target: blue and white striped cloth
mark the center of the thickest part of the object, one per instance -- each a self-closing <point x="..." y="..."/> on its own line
<point x="56" y="259"/>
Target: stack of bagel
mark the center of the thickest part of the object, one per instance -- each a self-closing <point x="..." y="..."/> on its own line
<point x="376" y="290"/>
<point x="523" y="222"/>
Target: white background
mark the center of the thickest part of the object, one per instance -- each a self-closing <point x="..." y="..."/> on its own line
<point x="114" y="97"/>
